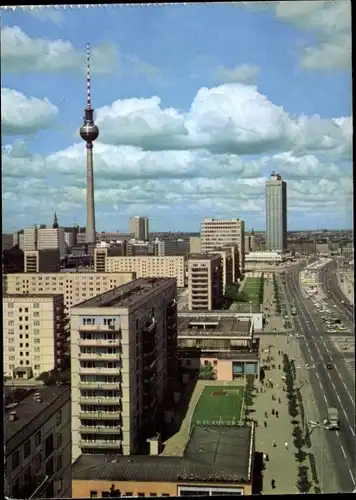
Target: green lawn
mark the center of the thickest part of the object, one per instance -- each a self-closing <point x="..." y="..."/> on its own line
<point x="219" y="405"/>
<point x="251" y="290"/>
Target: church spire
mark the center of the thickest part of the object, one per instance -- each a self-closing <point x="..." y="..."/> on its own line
<point x="55" y="221"/>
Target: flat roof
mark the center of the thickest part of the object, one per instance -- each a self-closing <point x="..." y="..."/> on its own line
<point x="39" y="297"/>
<point x="126" y="295"/>
<point x="236" y="354"/>
<point x="222" y="326"/>
<point x="21" y="400"/>
<point x="202" y="256"/>
<point x="214" y="454"/>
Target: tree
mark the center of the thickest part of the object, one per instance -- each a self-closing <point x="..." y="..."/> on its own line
<point x="206" y="372"/>
<point x="231" y="292"/>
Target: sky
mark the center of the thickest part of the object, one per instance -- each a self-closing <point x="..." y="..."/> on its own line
<point x="196" y="105"/>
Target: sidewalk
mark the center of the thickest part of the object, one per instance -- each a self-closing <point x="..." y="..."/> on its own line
<point x="273" y="322"/>
<point x="346" y="285"/>
<point x="283" y="466"/>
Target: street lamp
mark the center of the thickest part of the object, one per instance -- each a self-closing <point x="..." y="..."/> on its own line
<point x="250" y="304"/>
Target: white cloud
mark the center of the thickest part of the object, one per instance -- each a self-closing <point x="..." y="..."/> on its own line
<point x="230" y="118"/>
<point x="330" y="21"/>
<point x="25" y="115"/>
<point x="43" y="13"/>
<point x="142" y="68"/>
<point x="245" y="73"/>
<point x="21" y="53"/>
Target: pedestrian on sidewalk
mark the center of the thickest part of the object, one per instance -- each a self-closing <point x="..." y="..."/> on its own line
<point x="286" y="445"/>
<point x="265" y="423"/>
<point x="274" y="444"/>
<point x="277" y="413"/>
<point x="272" y="411"/>
<point x="273" y="484"/>
<point x="279" y="400"/>
<point x="267" y="457"/>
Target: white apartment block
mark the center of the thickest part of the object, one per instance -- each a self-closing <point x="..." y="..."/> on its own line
<point x="139" y="227"/>
<point x="123" y="362"/>
<point x="222" y="233"/>
<point x="34" y="338"/>
<point x="30" y="239"/>
<point x="145" y="266"/>
<point x="52" y="239"/>
<point x="75" y="286"/>
<point x="37" y="438"/>
<point x="205" y="282"/>
<point x="194" y="244"/>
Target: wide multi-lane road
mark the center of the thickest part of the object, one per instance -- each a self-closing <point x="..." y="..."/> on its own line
<point x="332" y="388"/>
<point x="333" y="292"/>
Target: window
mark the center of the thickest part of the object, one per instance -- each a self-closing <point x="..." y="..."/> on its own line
<point x="36" y="314"/>
<point x="59" y="417"/>
<point x="153" y="494"/>
<point x="128" y="494"/>
<point x="49" y="446"/>
<point x="93" y="494"/>
<point x="140" y="494"/>
<point x="36" y="305"/>
<point x="36" y="341"/>
<point x="10" y="305"/>
<point x="165" y="494"/>
<point x="15" y="460"/>
<point x="59" y="440"/>
<point x="59" y="462"/>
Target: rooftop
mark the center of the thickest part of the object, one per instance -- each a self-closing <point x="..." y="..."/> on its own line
<point x="233" y="354"/>
<point x="27" y="409"/>
<point x="126" y="295"/>
<point x="38" y="297"/>
<point x="202" y="256"/>
<point x="208" y="326"/>
<point x="214" y="454"/>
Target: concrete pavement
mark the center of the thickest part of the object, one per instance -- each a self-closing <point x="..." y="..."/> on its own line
<point x="282" y="465"/>
<point x="346" y="285"/>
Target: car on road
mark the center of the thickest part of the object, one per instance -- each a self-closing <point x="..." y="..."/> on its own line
<point x="329" y="366"/>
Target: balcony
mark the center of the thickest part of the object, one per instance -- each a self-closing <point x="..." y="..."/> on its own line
<point x="101" y="430"/>
<point x="99" y="342"/>
<point x="100" y="415"/>
<point x="99" y="385"/>
<point x="99" y="328"/>
<point x="97" y="400"/>
<point x="100" y="444"/>
<point x="99" y="371"/>
<point x="99" y="355"/>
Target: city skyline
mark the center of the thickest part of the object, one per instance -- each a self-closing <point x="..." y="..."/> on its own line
<point x="178" y="156"/>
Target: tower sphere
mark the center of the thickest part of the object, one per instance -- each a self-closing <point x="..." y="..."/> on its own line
<point x="89" y="132"/>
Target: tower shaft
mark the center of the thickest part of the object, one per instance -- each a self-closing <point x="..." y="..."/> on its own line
<point x="90" y="226"/>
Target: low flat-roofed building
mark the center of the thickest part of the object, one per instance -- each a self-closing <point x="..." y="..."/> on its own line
<point x="216" y="461"/>
<point x="205" y="281"/>
<point x="37" y="435"/>
<point x="225" y="342"/>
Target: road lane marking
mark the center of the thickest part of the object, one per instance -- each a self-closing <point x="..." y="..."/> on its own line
<point x="343" y="451"/>
<point x="326" y="401"/>
<point x="352" y="476"/>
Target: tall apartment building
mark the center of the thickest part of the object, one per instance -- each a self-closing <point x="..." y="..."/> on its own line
<point x="74" y="286"/>
<point x="139" y="227"/>
<point x="228" y="263"/>
<point x="30" y="238"/>
<point x="37" y="438"/>
<point x="143" y="266"/>
<point x="123" y="364"/>
<point x="250" y="245"/>
<point x="276" y="213"/>
<point x="41" y="261"/>
<point x="6" y="241"/>
<point x="205" y="282"/>
<point x="222" y="233"/>
<point x="34" y="336"/>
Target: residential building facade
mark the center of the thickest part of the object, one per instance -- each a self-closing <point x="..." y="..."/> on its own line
<point x="34" y="337"/>
<point x="123" y="365"/>
<point x="205" y="282"/>
<point x="75" y="286"/>
<point x="143" y="266"/>
<point x="42" y="261"/>
<point x="37" y="436"/>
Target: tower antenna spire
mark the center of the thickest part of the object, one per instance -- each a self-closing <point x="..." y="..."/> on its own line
<point x="88" y="78"/>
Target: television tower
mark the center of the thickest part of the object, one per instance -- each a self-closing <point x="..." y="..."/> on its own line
<point x="89" y="132"/>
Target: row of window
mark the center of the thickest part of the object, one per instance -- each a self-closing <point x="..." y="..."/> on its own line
<point x="11" y="305"/>
<point x="20" y="327"/>
<point x="23" y="318"/>
<point x="107" y="494"/>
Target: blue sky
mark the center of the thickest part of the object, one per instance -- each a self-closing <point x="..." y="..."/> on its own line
<point x="196" y="105"/>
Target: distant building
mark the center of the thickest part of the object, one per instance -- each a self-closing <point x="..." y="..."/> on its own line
<point x="75" y="286"/>
<point x="13" y="260"/>
<point x="7" y="241"/>
<point x="34" y="337"/>
<point x="205" y="282"/>
<point x="217" y="461"/>
<point x="143" y="266"/>
<point x="37" y="437"/>
<point x="52" y="239"/>
<point x="42" y="261"/>
<point x="123" y="365"/>
<point x="139" y="227"/>
<point x="222" y="233"/>
<point x="194" y="244"/>
<point x="228" y="264"/>
<point x="276" y="213"/>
